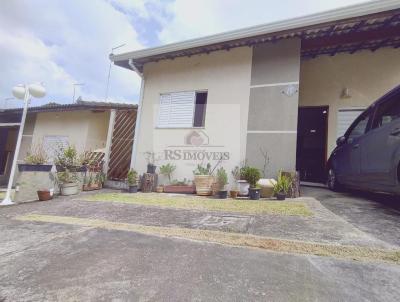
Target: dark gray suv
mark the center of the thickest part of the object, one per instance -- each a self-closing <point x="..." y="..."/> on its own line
<point x="367" y="157"/>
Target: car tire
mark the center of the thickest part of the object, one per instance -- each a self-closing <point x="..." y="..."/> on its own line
<point x="332" y="182"/>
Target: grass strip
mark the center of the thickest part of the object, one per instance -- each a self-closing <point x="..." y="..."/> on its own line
<point x="235" y="239"/>
<point x="274" y="207"/>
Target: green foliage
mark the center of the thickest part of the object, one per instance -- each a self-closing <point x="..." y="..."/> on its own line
<point x="236" y="173"/>
<point x="167" y="170"/>
<point x="67" y="156"/>
<point x="203" y="170"/>
<point x="132" y="177"/>
<point x="37" y="155"/>
<point x="222" y="177"/>
<point x="251" y="175"/>
<point x="67" y="177"/>
<point x="184" y="182"/>
<point x="283" y="184"/>
<point x="100" y="177"/>
<point x="94" y="178"/>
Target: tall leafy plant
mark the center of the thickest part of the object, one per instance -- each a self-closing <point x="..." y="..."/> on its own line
<point x="252" y="176"/>
<point x="132" y="177"/>
<point x="222" y="177"/>
<point x="168" y="170"/>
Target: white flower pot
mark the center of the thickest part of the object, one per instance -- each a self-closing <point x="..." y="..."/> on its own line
<point x="69" y="189"/>
<point x="243" y="187"/>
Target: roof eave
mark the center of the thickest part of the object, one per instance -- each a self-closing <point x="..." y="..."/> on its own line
<point x="291" y="24"/>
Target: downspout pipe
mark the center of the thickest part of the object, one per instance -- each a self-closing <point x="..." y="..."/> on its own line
<point x="138" y="117"/>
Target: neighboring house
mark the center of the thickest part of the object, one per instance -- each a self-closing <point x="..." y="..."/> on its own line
<point x="83" y="124"/>
<point x="288" y="88"/>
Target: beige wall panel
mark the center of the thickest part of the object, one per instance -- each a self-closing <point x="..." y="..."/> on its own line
<point x="368" y="75"/>
<point x="226" y="76"/>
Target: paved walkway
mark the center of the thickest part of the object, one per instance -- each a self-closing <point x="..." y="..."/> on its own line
<point x="61" y="262"/>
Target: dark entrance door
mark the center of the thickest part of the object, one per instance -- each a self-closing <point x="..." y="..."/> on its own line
<point x="311" y="143"/>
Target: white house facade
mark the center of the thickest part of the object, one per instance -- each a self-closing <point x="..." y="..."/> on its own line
<point x="276" y="96"/>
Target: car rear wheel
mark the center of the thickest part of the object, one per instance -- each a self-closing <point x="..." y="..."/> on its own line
<point x="332" y="181"/>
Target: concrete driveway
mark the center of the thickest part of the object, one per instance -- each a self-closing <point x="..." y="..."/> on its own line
<point x="374" y="214"/>
<point x="50" y="261"/>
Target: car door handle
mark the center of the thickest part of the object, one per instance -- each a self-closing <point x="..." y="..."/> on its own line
<point x="356" y="146"/>
<point x="395" y="132"/>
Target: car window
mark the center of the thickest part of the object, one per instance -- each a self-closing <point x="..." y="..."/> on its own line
<point x="387" y="112"/>
<point x="360" y="127"/>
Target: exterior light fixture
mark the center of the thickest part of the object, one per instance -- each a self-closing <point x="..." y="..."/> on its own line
<point x="346" y="94"/>
<point x="21" y="92"/>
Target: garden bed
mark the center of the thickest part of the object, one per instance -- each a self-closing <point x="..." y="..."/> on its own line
<point x="207" y="204"/>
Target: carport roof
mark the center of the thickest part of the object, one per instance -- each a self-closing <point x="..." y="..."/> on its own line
<point x="370" y="25"/>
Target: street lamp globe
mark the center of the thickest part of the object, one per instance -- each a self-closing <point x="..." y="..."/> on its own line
<point x="37" y="90"/>
<point x="19" y="92"/>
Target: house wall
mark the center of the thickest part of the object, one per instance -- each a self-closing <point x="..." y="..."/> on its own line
<point x="97" y="130"/>
<point x="226" y="76"/>
<point x="86" y="130"/>
<point x="272" y="122"/>
<point x="27" y="136"/>
<point x="368" y="75"/>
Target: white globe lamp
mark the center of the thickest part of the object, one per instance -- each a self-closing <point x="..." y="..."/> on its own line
<point x="19" y="92"/>
<point x="37" y="90"/>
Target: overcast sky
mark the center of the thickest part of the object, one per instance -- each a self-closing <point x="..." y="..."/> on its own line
<point x="61" y="42"/>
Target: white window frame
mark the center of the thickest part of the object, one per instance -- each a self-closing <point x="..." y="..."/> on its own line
<point x="171" y="125"/>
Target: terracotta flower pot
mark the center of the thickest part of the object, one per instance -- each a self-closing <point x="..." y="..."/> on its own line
<point x="44" y="195"/>
<point x="234" y="194"/>
<point x="204" y="184"/>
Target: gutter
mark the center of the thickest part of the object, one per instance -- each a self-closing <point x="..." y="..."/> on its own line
<point x="138" y="117"/>
<point x="368" y="8"/>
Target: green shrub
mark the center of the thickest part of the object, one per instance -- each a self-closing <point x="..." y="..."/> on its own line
<point x="251" y="175"/>
<point x="222" y="177"/>
<point x="283" y="184"/>
<point x="132" y="177"/>
<point x="167" y="170"/>
<point x="37" y="155"/>
<point x="201" y="170"/>
<point x="67" y="177"/>
<point x="236" y="173"/>
<point x="67" y="156"/>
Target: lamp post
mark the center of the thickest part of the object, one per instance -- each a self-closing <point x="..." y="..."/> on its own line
<point x="109" y="70"/>
<point x="21" y="92"/>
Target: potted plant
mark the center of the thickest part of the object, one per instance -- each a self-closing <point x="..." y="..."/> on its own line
<point x="252" y="176"/>
<point x="222" y="179"/>
<point x="151" y="160"/>
<point x="242" y="182"/>
<point x="282" y="186"/>
<point x="68" y="182"/>
<point x="44" y="194"/>
<point x="167" y="171"/>
<point x="35" y="160"/>
<point x="132" y="181"/>
<point x="68" y="158"/>
<point x="234" y="192"/>
<point x="184" y="186"/>
<point x="203" y="180"/>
